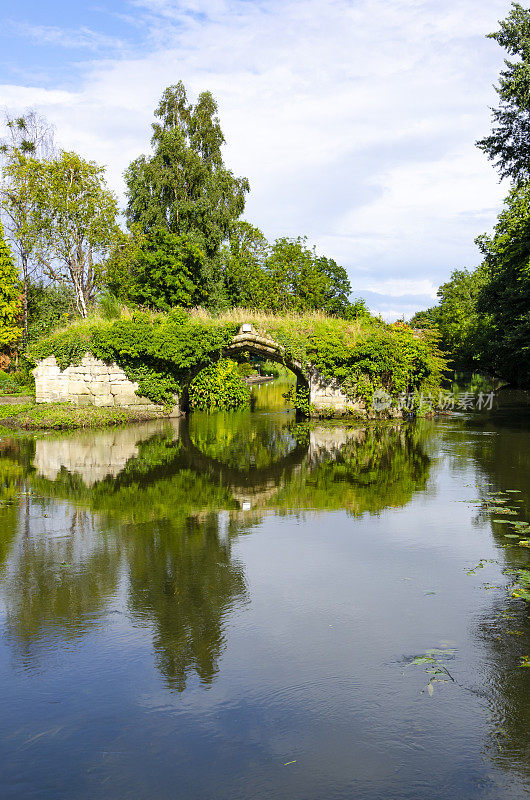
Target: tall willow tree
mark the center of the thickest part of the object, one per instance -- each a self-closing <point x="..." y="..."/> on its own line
<point x="184" y="185"/>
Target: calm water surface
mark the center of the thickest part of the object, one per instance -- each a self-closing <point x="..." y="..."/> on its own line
<point x="228" y="607"/>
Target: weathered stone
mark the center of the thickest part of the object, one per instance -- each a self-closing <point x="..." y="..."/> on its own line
<point x="99" y="387"/>
<point x="76" y="387"/>
<point x="103" y="400"/>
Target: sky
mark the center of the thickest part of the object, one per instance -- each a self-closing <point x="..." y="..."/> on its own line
<point x="354" y="120"/>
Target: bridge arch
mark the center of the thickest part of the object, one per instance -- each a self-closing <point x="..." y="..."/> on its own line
<point x="250" y="341"/>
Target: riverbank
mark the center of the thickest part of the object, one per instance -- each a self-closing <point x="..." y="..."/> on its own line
<point x="67" y="416"/>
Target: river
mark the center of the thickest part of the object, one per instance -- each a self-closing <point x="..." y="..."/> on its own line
<point x="241" y="606"/>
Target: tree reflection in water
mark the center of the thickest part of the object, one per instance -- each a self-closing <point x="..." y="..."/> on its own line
<point x="502" y="456"/>
<point x="148" y="504"/>
<point x="184" y="580"/>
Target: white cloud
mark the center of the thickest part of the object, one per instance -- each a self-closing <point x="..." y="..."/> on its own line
<point x="401" y="287"/>
<point x="60" y="37"/>
<point x="355" y="120"/>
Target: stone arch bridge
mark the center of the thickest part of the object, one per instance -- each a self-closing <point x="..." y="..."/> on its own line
<point x="92" y="382"/>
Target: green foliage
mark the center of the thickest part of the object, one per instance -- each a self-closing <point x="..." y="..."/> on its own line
<point x="463" y="334"/>
<point x="508" y="145"/>
<point x="363" y="359"/>
<point x="356" y="309"/>
<point x="270" y="368"/>
<point x="283" y="277"/>
<point x="504" y="299"/>
<point x="484" y="316"/>
<point x="160" y="351"/>
<point x="49" y="306"/>
<point x="160" y="270"/>
<point x="184" y="185"/>
<point x="16" y="383"/>
<point x="298" y="397"/>
<point x="75" y="223"/>
<point x="10" y="300"/>
<point x="219" y="387"/>
<point x="157" y="351"/>
<point x="243" y="267"/>
<point x="8" y="385"/>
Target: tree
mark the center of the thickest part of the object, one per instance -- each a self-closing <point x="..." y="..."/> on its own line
<point x="508" y="145"/>
<point x="463" y="332"/>
<point x="75" y="223"/>
<point x="338" y="290"/>
<point x="160" y="270"/>
<point x="425" y="319"/>
<point x="10" y="301"/>
<point x="504" y="298"/>
<point x="49" y="306"/>
<point x="302" y="281"/>
<point x="29" y="140"/>
<point x="184" y="186"/>
<point x="297" y="283"/>
<point x="284" y="276"/>
<point x="243" y="266"/>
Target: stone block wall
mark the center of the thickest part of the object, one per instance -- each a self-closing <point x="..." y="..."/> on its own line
<point x="326" y="395"/>
<point x="92" y="382"/>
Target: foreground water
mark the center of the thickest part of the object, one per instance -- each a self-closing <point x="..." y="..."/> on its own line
<point x="231" y="607"/>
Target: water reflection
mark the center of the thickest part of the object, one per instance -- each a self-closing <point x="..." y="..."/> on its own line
<point x="501" y="452"/>
<point x="174" y="544"/>
<point x="159" y="488"/>
<point x="60" y="579"/>
<point x="181" y="467"/>
<point x="184" y="581"/>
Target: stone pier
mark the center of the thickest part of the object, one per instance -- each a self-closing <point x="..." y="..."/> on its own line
<point x="91" y="382"/>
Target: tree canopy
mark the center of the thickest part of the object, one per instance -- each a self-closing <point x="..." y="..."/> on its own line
<point x="75" y="223"/>
<point x="28" y="140"/>
<point x="160" y="270"/>
<point x="184" y="186"/>
<point x="508" y="145"/>
<point x="504" y="298"/>
<point x="284" y="276"/>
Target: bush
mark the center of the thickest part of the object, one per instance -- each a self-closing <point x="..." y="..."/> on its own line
<point x="48" y="307"/>
<point x="219" y="387"/>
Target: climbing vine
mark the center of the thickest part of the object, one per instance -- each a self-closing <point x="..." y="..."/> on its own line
<point x="219" y="387"/>
<point x="159" y="351"/>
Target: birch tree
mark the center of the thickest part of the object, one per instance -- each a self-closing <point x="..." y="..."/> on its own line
<point x="28" y="140"/>
<point x="75" y="224"/>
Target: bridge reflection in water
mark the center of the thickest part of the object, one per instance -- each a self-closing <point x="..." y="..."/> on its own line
<point x="143" y="510"/>
<point x="261" y="461"/>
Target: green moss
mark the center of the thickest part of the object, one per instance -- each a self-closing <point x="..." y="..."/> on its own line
<point x="66" y="416"/>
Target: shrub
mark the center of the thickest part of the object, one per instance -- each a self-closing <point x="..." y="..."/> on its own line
<point x="219" y="387"/>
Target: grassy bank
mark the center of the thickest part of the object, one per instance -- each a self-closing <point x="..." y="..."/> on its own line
<point x="66" y="416"/>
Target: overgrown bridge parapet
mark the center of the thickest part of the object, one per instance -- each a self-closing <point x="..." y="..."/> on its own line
<point x="93" y="382"/>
